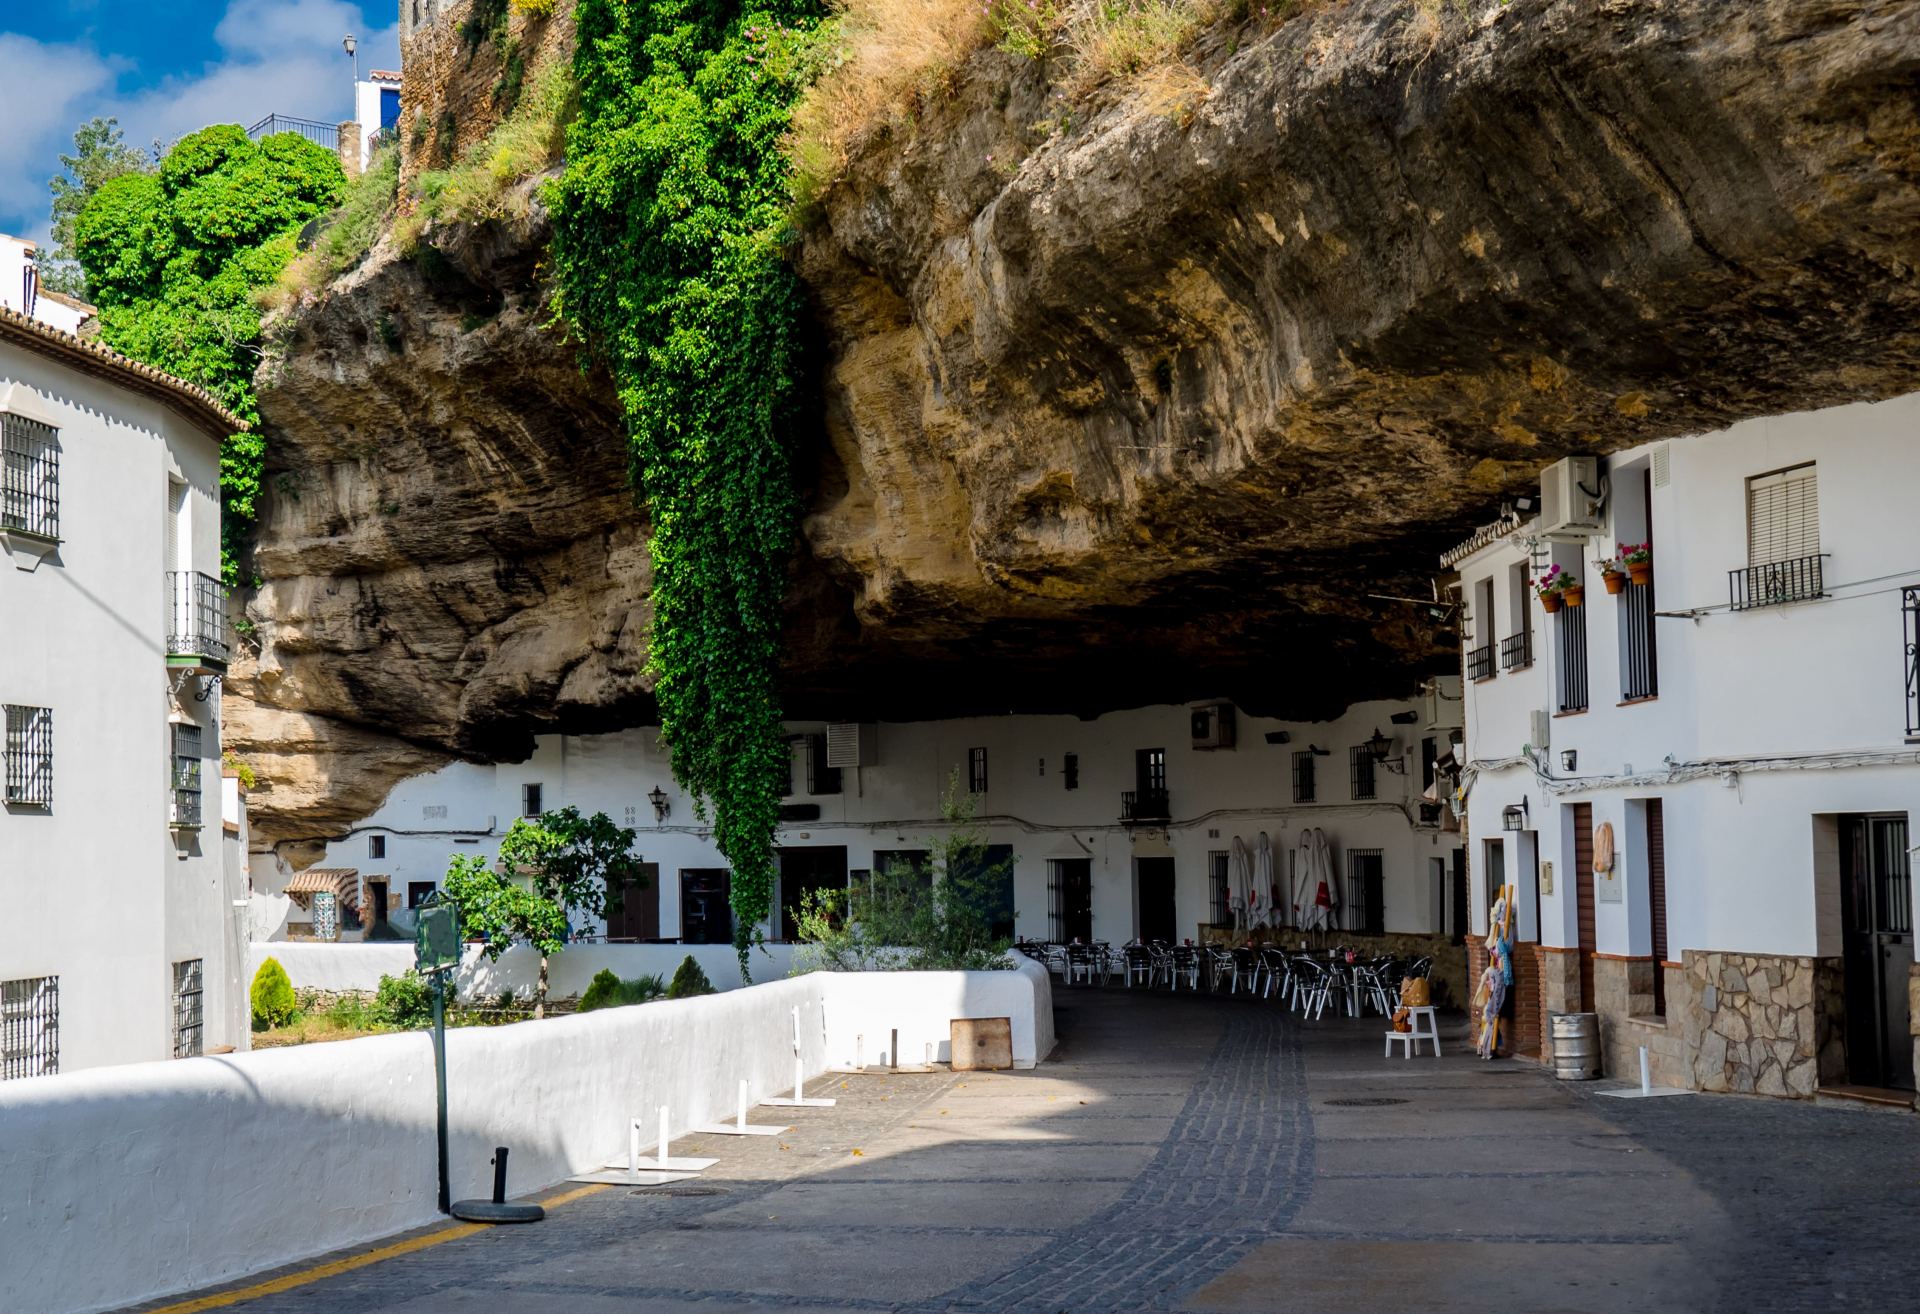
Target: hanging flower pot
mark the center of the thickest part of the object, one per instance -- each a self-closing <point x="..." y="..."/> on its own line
<point x="1550" y="602"/>
<point x="1614" y="580"/>
<point x="1641" y="572"/>
<point x="1576" y="594"/>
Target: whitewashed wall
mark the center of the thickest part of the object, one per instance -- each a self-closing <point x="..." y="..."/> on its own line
<point x="1816" y="687"/>
<point x="145" y="1180"/>
<point x="1215" y="796"/>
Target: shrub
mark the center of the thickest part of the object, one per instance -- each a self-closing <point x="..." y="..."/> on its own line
<point x="608" y="991"/>
<point x="272" y="994"/>
<point x="404" y="1001"/>
<point x="689" y="981"/>
<point x="349" y="1012"/>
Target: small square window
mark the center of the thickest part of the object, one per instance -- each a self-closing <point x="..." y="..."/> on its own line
<point x="530" y="801"/>
<point x="376" y="846"/>
<point x="976" y="770"/>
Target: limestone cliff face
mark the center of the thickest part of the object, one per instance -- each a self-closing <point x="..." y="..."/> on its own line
<point x="1138" y="406"/>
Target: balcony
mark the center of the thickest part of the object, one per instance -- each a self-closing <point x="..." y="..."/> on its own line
<point x="1480" y="662"/>
<point x="1777" y="583"/>
<point x="196" y="620"/>
<point x="1516" y="651"/>
<point x="320" y="134"/>
<point x="1910" y="618"/>
<point x="1141" y="807"/>
<point x="184" y="813"/>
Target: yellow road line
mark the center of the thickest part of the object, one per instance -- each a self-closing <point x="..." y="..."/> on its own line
<point x="339" y="1266"/>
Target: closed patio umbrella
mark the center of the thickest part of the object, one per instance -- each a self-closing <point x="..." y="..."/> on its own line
<point x="1326" y="895"/>
<point x="1263" y="880"/>
<point x="1303" y="880"/>
<point x="1240" y="883"/>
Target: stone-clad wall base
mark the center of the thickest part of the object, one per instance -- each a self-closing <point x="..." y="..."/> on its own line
<point x="1762" y="1024"/>
<point x="1624" y="987"/>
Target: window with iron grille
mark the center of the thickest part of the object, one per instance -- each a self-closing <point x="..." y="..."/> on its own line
<point x="976" y="770"/>
<point x="187" y="1027"/>
<point x="30" y="755"/>
<point x="1360" y="770"/>
<point x="1570" y="671"/>
<point x="530" y="800"/>
<point x="821" y="778"/>
<point x="29" y="1027"/>
<point x="1366" y="910"/>
<point x="1303" y="777"/>
<point x="1639" y="659"/>
<point x="29" y="476"/>
<point x="1217" y="869"/>
<point x="186" y="775"/>
<point x="1784" y="561"/>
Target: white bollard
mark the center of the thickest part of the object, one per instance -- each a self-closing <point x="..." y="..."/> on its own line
<point x="741" y="1121"/>
<point x="633" y="1153"/>
<point x="1646" y="1074"/>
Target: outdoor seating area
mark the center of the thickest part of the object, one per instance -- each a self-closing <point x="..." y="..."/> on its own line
<point x="1311" y="983"/>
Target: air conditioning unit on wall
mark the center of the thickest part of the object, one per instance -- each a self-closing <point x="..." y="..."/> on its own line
<point x="853" y="744"/>
<point x="1213" y="726"/>
<point x="1573" y="502"/>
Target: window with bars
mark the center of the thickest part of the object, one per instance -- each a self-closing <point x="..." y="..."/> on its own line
<point x="1366" y="910"/>
<point x="821" y="778"/>
<point x="531" y="800"/>
<point x="976" y="770"/>
<point x="30" y="756"/>
<point x="186" y="775"/>
<point x="187" y="1014"/>
<point x="29" y="476"/>
<point x="1360" y="771"/>
<point x="1220" y="887"/>
<point x="1784" y="561"/>
<point x="1303" y="777"/>
<point x="1570" y="671"/>
<point x="29" y="1027"/>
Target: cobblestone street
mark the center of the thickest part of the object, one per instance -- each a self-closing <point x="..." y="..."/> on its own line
<point x="1214" y="1155"/>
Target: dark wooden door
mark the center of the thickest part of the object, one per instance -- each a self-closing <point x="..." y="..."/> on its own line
<point x="1583" y="897"/>
<point x="1457" y="900"/>
<point x="819" y="867"/>
<point x="1657" y="898"/>
<point x="1075" y="877"/>
<point x="1877" y="949"/>
<point x="1154" y="882"/>
<point x="633" y="910"/>
<point x="705" y="917"/>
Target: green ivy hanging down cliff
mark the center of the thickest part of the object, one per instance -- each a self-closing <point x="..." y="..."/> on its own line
<point x="667" y="230"/>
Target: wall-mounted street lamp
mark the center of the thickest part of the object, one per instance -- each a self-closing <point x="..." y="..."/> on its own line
<point x="1380" y="747"/>
<point x="662" y="805"/>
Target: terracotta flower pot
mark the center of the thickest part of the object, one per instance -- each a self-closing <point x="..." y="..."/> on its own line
<point x="1550" y="602"/>
<point x="1576" y="594"/>
<point x="1614" y="580"/>
<point x="1641" y="572"/>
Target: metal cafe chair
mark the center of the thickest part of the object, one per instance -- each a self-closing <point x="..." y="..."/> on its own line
<point x="1186" y="967"/>
<point x="1079" y="964"/>
<point x="1139" y="965"/>
<point x="1222" y="966"/>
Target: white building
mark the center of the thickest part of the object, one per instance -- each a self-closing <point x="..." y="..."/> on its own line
<point x="376" y="109"/>
<point x="120" y="859"/>
<point x="1744" y="727"/>
<point x="1052" y="791"/>
<point x="20" y="289"/>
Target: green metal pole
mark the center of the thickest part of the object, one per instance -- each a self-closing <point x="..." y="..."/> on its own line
<point x="440" y="1079"/>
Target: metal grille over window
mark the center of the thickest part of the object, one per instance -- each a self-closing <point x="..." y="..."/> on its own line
<point x="976" y="770"/>
<point x="187" y="1015"/>
<point x="29" y="476"/>
<point x="1480" y="662"/>
<point x="1784" y="561"/>
<point x="186" y="776"/>
<point x="1360" y="770"/>
<point x="1221" y="887"/>
<point x="1516" y="650"/>
<point x="1639" y="667"/>
<point x="29" y="1027"/>
<point x="1366" y="910"/>
<point x="196" y="616"/>
<point x="30" y="756"/>
<point x="1303" y="777"/>
<point x="1570" y="633"/>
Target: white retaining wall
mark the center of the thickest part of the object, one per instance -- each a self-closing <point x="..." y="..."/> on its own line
<point x="123" y="1184"/>
<point x="360" y="966"/>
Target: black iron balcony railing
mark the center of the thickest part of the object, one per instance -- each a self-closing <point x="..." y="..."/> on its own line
<point x="1910" y="613"/>
<point x="1145" y="805"/>
<point x="29" y="477"/>
<point x="320" y="134"/>
<point x="1777" y="583"/>
<point x="186" y="809"/>
<point x="1516" y="651"/>
<point x="1480" y="662"/>
<point x="196" y="616"/>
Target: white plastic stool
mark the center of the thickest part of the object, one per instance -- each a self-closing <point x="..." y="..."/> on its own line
<point x="1411" y="1039"/>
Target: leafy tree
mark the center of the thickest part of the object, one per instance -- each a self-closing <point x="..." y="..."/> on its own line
<point x="898" y="921"/>
<point x="99" y="157"/>
<point x="272" y="996"/>
<point x="173" y="259"/>
<point x="569" y="863"/>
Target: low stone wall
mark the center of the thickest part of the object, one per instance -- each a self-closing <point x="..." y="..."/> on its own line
<point x="1762" y="1024"/>
<point x="1624" y="1001"/>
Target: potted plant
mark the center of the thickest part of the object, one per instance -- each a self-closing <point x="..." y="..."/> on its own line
<point x="1612" y="575"/>
<point x="1638" y="559"/>
<point x="1550" y="587"/>
<point x="1575" y="594"/>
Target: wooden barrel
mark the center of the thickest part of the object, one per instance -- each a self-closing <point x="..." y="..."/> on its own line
<point x="1576" y="1046"/>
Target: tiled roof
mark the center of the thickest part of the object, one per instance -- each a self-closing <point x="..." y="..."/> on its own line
<point x="192" y="402"/>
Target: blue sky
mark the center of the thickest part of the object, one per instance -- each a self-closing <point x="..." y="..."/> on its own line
<point x="165" y="69"/>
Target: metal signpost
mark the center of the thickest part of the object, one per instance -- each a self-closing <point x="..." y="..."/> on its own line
<point x="436" y="952"/>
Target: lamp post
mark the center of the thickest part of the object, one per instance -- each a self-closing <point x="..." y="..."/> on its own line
<point x="352" y="47"/>
<point x="436" y="952"/>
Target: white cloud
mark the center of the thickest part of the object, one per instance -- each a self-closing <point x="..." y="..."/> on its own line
<point x="278" y="56"/>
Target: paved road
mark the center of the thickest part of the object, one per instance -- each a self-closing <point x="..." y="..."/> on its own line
<point x="1216" y="1156"/>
